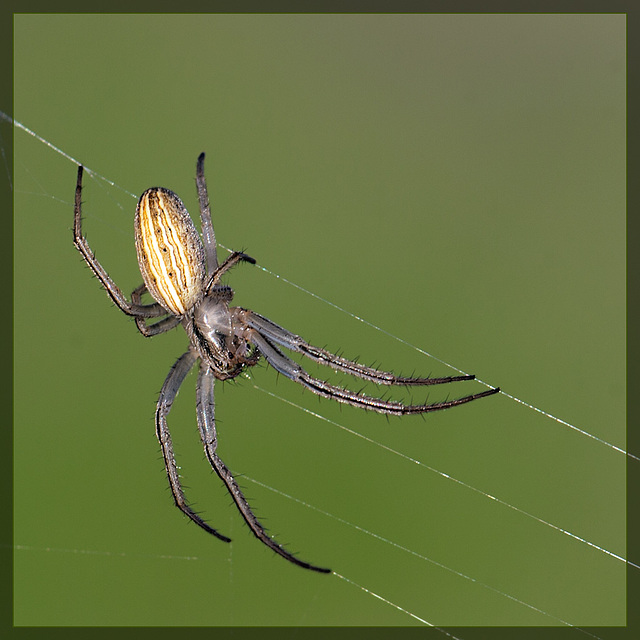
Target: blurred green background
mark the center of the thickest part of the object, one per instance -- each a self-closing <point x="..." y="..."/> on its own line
<point x="457" y="181"/>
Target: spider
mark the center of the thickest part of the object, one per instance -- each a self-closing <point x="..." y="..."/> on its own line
<point x="182" y="274"/>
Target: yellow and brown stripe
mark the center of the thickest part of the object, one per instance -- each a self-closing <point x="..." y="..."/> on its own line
<point x="170" y="253"/>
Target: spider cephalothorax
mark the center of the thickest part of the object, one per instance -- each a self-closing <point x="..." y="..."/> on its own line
<point x="182" y="274"/>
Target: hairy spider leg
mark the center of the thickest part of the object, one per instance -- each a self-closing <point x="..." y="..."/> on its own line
<point x="156" y="328"/>
<point x="295" y="372"/>
<point x="170" y="388"/>
<point x="208" y="233"/>
<point x="284" y="338"/>
<point x="154" y="310"/>
<point x="205" y="404"/>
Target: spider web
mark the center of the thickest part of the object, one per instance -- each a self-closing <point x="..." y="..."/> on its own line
<point x="559" y="435"/>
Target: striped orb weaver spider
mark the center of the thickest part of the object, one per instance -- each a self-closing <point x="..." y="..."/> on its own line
<point x="182" y="274"/>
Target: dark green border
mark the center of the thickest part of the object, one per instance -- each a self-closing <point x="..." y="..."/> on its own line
<point x="633" y="260"/>
<point x="6" y="290"/>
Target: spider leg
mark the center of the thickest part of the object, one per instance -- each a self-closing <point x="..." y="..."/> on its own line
<point x="231" y="261"/>
<point x="148" y="330"/>
<point x="284" y="338"/>
<point x="295" y="372"/>
<point x="206" y="422"/>
<point x="168" y="394"/>
<point x="208" y="234"/>
<point x="130" y="308"/>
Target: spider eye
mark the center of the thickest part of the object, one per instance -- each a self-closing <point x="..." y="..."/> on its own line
<point x="170" y="253"/>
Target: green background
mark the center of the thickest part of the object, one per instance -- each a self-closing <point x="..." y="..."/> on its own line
<point x="457" y="181"/>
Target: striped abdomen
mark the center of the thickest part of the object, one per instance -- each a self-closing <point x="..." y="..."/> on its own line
<point x="170" y="253"/>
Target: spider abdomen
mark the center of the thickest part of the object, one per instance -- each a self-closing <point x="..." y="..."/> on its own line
<point x="170" y="253"/>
